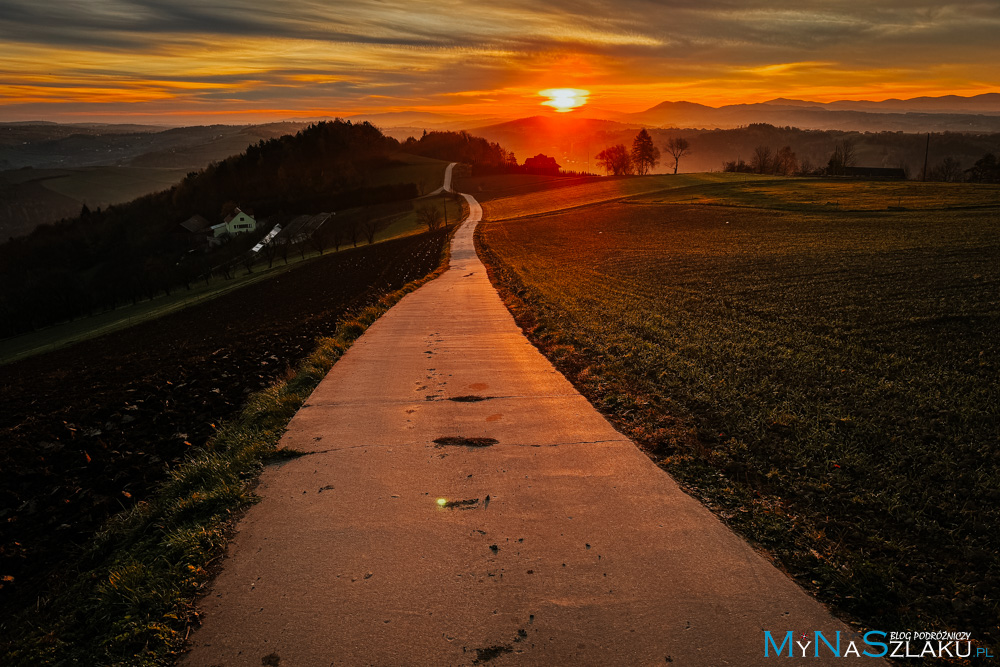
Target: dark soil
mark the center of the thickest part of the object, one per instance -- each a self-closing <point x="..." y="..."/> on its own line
<point x="89" y="430"/>
<point x="456" y="441"/>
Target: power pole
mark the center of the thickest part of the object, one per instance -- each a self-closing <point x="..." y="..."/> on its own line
<point x="927" y="150"/>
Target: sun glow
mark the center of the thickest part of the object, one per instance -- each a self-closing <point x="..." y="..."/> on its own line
<point x="564" y="99"/>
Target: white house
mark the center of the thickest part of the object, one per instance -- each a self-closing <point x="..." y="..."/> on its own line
<point x="237" y="222"/>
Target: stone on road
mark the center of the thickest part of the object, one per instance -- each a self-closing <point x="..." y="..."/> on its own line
<point x="462" y="503"/>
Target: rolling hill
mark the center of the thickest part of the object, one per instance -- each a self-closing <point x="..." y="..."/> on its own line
<point x="49" y="170"/>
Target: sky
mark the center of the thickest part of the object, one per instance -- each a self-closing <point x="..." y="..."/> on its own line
<point x="187" y="61"/>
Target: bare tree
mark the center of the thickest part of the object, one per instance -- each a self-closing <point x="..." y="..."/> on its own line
<point x="762" y="161"/>
<point x="430" y="216"/>
<point x="844" y="155"/>
<point x="849" y="151"/>
<point x="645" y="154"/>
<point x="248" y="260"/>
<point x="318" y="241"/>
<point x="785" y="162"/>
<point x="949" y="171"/>
<point x="353" y="229"/>
<point x="372" y="227"/>
<point x="270" y="251"/>
<point x="678" y="147"/>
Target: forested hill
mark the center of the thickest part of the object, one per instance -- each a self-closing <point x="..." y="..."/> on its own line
<point x="105" y="257"/>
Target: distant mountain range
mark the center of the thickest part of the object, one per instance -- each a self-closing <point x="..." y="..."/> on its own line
<point x="988" y="103"/>
<point x="950" y="113"/>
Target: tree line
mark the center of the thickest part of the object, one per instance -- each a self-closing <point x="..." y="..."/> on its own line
<point x="460" y="147"/>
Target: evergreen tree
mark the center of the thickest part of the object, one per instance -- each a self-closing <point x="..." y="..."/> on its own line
<point x="645" y="154"/>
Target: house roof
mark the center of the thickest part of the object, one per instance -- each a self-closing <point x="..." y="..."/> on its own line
<point x="196" y="224"/>
<point x="236" y="212"/>
<point x="541" y="161"/>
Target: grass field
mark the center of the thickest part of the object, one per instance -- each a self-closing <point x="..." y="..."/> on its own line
<point x="549" y="197"/>
<point x="825" y="381"/>
<point x="30" y="197"/>
<point x="802" y="194"/>
<point x="100" y="186"/>
<point x="427" y="173"/>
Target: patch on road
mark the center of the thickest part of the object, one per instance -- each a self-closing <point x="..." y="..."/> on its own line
<point x="455" y="441"/>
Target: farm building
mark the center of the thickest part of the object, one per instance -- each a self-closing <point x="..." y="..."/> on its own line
<point x="541" y="164"/>
<point x="237" y="222"/>
<point x="195" y="231"/>
<point x="196" y="224"/>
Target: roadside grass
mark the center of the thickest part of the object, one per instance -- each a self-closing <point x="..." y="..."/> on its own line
<point x="407" y="223"/>
<point x="132" y="600"/>
<point x="605" y="189"/>
<point x="825" y="382"/>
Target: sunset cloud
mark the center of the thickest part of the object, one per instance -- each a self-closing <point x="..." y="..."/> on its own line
<point x="159" y="57"/>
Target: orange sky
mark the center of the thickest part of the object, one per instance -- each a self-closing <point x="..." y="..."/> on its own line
<point x="186" y="61"/>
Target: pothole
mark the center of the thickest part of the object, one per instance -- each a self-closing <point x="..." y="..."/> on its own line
<point x="459" y="504"/>
<point x="471" y="398"/>
<point x="456" y="441"/>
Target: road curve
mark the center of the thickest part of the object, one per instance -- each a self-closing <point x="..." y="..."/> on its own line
<point x="559" y="544"/>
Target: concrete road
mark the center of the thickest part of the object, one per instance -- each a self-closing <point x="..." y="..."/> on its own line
<point x="547" y="539"/>
<point x="447" y="181"/>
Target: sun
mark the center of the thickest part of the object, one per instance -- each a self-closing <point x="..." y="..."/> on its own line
<point x="564" y="99"/>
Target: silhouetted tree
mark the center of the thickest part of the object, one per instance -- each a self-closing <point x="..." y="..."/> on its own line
<point x="985" y="170"/>
<point x="678" y="147"/>
<point x="270" y="251"/>
<point x="371" y="227"/>
<point x="738" y="165"/>
<point x="762" y="161"/>
<point x="430" y="216"/>
<point x="645" y="154"/>
<point x="785" y="162"/>
<point x="844" y="155"/>
<point x="616" y="160"/>
<point x="352" y="229"/>
<point x="949" y="171"/>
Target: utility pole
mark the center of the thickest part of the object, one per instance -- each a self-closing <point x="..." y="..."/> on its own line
<point x="927" y="150"/>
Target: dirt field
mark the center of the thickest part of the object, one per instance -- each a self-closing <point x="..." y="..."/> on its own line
<point x="90" y="429"/>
